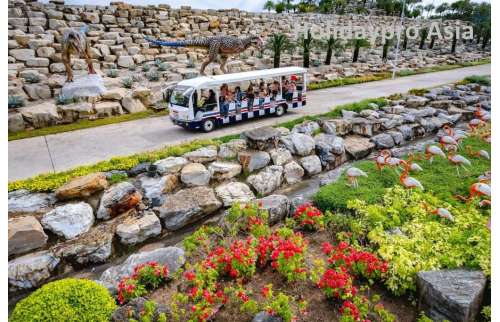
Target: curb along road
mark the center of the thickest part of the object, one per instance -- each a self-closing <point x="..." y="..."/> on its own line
<point x="63" y="151"/>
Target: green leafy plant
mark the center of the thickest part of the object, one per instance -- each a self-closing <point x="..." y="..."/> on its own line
<point x="66" y="300"/>
<point x="153" y="76"/>
<point x="148" y="313"/>
<point x="15" y="101"/>
<point x="127" y="82"/>
<point x="357" y="44"/>
<point x="117" y="177"/>
<point x="250" y="218"/>
<point x="200" y="239"/>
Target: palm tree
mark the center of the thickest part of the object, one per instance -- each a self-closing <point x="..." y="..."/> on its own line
<point x="442" y="8"/>
<point x="269" y="5"/>
<point x="306" y="43"/>
<point x="357" y="44"/>
<point x="428" y="8"/>
<point x="278" y="43"/>
<point x="454" y="43"/>
<point x="385" y="49"/>
<point x="405" y="41"/>
<point x="331" y="45"/>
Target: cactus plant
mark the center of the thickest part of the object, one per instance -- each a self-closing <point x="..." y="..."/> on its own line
<point x="32" y="78"/>
<point x="146" y="68"/>
<point x="127" y="82"/>
<point x="153" y="76"/>
<point x="163" y="67"/>
<point x="113" y="73"/>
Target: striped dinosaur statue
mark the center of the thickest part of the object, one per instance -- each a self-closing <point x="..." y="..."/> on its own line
<point x="223" y="46"/>
<point x="75" y="42"/>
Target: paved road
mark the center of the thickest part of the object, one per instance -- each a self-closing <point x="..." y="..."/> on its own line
<point x="29" y="157"/>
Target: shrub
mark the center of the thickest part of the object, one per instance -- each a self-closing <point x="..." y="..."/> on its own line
<point x="418" y="91"/>
<point x="200" y="238"/>
<point x="148" y="314"/>
<point x="237" y="261"/>
<point x="32" y="78"/>
<point x="66" y="300"/>
<point x="132" y="67"/>
<point x="15" y="101"/>
<point x="127" y="82"/>
<point x="153" y="76"/>
<point x="113" y="73"/>
<point x="146" y="68"/>
<point x="481" y="80"/>
<point x="117" y="177"/>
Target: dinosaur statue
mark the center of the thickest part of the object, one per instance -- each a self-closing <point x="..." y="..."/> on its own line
<point x="75" y="42"/>
<point x="223" y="46"/>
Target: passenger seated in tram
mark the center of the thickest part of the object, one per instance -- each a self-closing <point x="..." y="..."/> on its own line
<point x="250" y="96"/>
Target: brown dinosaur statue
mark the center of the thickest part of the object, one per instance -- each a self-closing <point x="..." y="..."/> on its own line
<point x="222" y="46"/>
<point x="74" y="42"/>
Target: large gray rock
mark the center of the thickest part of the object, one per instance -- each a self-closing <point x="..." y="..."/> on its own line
<point x="25" y="234"/>
<point x="267" y="180"/>
<point x="328" y="148"/>
<point x="137" y="229"/>
<point x="205" y="154"/>
<point x="383" y="141"/>
<point x="454" y="295"/>
<point x="188" y="206"/>
<point x="31" y="270"/>
<point x="365" y="127"/>
<point x="342" y="126"/>
<point x="41" y="115"/>
<point x="253" y="160"/>
<point x="312" y="164"/>
<point x="70" y="220"/>
<point x="231" y="149"/>
<point x="329" y="127"/>
<point x="170" y="165"/>
<point x="280" y="156"/>
<point x="307" y="127"/>
<point x="358" y="147"/>
<point x="223" y="170"/>
<point x="195" y="174"/>
<point x="298" y="143"/>
<point x="132" y="105"/>
<point x="416" y="101"/>
<point x="156" y="188"/>
<point x="232" y="192"/>
<point x="84" y="86"/>
<point x="118" y="199"/>
<point x="23" y="202"/>
<point x="16" y="122"/>
<point x="94" y="246"/>
<point x="172" y="257"/>
<point x="293" y="172"/>
<point x="278" y="207"/>
<point x="262" y="138"/>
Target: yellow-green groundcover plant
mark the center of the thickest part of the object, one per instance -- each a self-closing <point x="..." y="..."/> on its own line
<point x="66" y="300"/>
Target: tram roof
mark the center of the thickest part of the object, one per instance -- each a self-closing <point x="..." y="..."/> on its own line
<point x="210" y="81"/>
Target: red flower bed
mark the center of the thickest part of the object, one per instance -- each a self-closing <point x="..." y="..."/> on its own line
<point x="309" y="217"/>
<point x="237" y="261"/>
<point x="145" y="277"/>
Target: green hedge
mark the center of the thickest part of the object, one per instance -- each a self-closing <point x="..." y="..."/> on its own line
<point x="440" y="177"/>
<point x="52" y="181"/>
<point x="66" y="300"/>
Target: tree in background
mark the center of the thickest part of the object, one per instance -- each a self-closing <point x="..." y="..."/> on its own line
<point x="331" y="45"/>
<point x="278" y="43"/>
<point x="429" y="8"/>
<point x="269" y="5"/>
<point x="279" y="7"/>
<point x="306" y="43"/>
<point x="357" y="44"/>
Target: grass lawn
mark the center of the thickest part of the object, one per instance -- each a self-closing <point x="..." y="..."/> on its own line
<point x="440" y="178"/>
<point x="85" y="124"/>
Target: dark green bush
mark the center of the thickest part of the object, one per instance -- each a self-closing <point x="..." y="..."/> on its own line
<point x="66" y="300"/>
